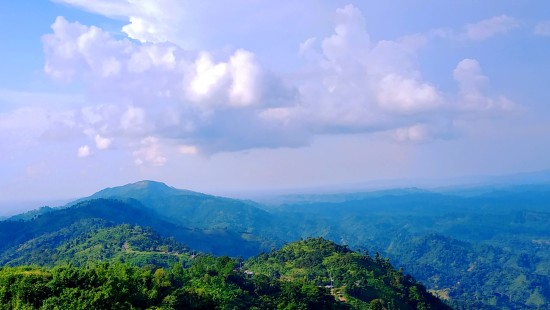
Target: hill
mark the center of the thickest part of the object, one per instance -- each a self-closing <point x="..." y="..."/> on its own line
<point x="495" y="239"/>
<point x="360" y="280"/>
<point x="55" y="227"/>
<point x="188" y="208"/>
<point x="217" y="282"/>
<point x="101" y="242"/>
<point x="511" y="280"/>
<point x="203" y="212"/>
<point x="483" y="248"/>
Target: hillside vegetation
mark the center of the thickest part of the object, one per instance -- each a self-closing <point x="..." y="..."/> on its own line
<point x="208" y="282"/>
<point x="362" y="281"/>
<point x="479" y="248"/>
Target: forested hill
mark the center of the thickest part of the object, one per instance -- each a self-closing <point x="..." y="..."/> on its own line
<point x="480" y="248"/>
<point x="126" y="243"/>
<point x="202" y="281"/>
<point x="361" y="280"/>
<point x="49" y="229"/>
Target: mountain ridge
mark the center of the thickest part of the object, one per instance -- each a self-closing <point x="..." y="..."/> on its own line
<point x="143" y="188"/>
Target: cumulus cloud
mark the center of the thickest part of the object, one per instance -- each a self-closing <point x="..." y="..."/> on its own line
<point x="148" y="21"/>
<point x="161" y="89"/>
<point x="361" y="85"/>
<point x="400" y="94"/>
<point x="84" y="151"/>
<point x="102" y="143"/>
<point x="92" y="49"/>
<point x="139" y="72"/>
<point x="472" y="84"/>
<point x="236" y="81"/>
<point x="542" y="28"/>
<point x="133" y="119"/>
<point x="414" y="133"/>
<point x="143" y="94"/>
<point x="488" y="28"/>
<point x="469" y="76"/>
<point x="350" y="38"/>
<point x="149" y="152"/>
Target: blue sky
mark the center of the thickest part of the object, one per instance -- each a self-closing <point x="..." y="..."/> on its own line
<point x="228" y="96"/>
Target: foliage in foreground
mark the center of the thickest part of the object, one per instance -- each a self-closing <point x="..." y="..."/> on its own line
<point x="210" y="283"/>
<point x="219" y="283"/>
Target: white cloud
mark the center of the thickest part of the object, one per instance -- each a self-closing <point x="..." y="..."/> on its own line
<point x="488" y="28"/>
<point x="350" y="40"/>
<point x="472" y="84"/>
<point x="141" y="72"/>
<point x="543" y="28"/>
<point x="245" y="74"/>
<point x="236" y="81"/>
<point x="133" y="119"/>
<point x="74" y="51"/>
<point x="98" y="115"/>
<point x="102" y="143"/>
<point x="361" y="85"/>
<point x="400" y="94"/>
<point x="415" y="133"/>
<point x="161" y="89"/>
<point x="149" y="152"/>
<point x="226" y="100"/>
<point x="149" y="57"/>
<point x="357" y="84"/>
<point x="207" y="77"/>
<point x="149" y="21"/>
<point x="469" y="76"/>
<point x="84" y="151"/>
<point x="73" y="46"/>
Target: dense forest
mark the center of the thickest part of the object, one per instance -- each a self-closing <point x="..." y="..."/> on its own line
<point x="481" y="248"/>
<point x="109" y="275"/>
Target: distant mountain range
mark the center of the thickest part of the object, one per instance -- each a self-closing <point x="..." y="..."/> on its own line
<point x="479" y="247"/>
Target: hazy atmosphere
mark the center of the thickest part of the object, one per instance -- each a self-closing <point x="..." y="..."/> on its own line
<point x="222" y="96"/>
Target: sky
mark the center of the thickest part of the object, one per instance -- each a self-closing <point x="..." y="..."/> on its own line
<point x="251" y="95"/>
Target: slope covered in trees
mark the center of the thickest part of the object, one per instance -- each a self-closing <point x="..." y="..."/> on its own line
<point x="511" y="280"/>
<point x="364" y="282"/>
<point x="122" y="243"/>
<point x="50" y="229"/>
<point x="480" y="248"/>
<point x="207" y="282"/>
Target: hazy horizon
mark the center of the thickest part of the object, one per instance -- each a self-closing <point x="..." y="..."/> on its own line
<point x="254" y="96"/>
<point x="261" y="195"/>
